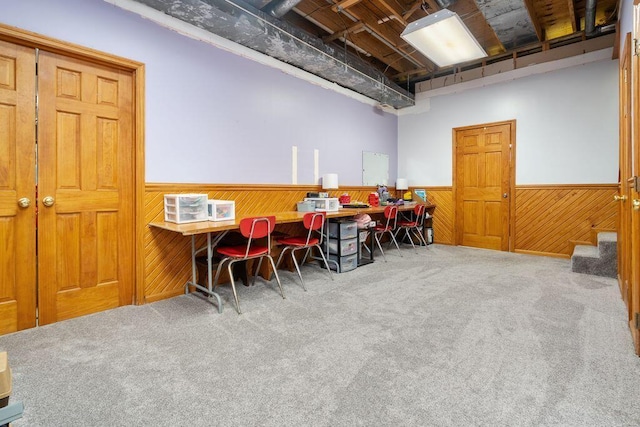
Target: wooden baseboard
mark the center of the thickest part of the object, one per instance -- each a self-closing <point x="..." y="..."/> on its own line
<point x="538" y="253"/>
<point x="635" y="336"/>
<point x="164" y="295"/>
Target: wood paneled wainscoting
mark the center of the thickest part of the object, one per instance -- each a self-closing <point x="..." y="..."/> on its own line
<point x="167" y="254"/>
<point x="443" y="219"/>
<point x="549" y="219"/>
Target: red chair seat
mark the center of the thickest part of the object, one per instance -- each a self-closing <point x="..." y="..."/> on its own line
<point x="251" y="228"/>
<point x="407" y="224"/>
<point x="414" y="227"/>
<point x="391" y="216"/>
<point x="313" y="222"/>
<point x="241" y="250"/>
<point x="298" y="241"/>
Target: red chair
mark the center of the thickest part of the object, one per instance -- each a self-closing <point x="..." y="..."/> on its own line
<point x="391" y="216"/>
<point x="252" y="229"/>
<point x="313" y="221"/>
<point x="414" y="227"/>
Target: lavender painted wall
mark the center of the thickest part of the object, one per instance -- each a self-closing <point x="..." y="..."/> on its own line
<point x="216" y="117"/>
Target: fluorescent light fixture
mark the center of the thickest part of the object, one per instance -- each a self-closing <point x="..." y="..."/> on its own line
<point x="443" y="38"/>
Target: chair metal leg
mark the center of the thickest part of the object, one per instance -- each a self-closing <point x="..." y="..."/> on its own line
<point x="284" y="250"/>
<point x="408" y="236"/>
<point x="375" y="236"/>
<point x="393" y="238"/>
<point x="295" y="262"/>
<point x="418" y="233"/>
<point x="253" y="281"/>
<point x="273" y="264"/>
<point x="218" y="270"/>
<point x="233" y="287"/>
<point x="406" y="232"/>
<point x="306" y="255"/>
<point x="326" y="263"/>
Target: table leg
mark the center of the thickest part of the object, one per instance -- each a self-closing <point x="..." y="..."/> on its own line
<point x="209" y="289"/>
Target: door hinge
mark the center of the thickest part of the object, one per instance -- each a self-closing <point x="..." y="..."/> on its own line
<point x="637" y="321"/>
<point x="636" y="47"/>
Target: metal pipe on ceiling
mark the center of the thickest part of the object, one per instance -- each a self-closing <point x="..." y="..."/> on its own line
<point x="445" y="3"/>
<point x="279" y="8"/>
<point x="590" y="17"/>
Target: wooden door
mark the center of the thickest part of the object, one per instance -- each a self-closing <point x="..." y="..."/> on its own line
<point x="634" y="192"/>
<point x="85" y="171"/>
<point x="17" y="181"/>
<point x="483" y="177"/>
<point x="623" y="198"/>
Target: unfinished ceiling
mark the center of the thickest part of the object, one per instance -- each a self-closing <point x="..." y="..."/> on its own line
<point x="357" y="44"/>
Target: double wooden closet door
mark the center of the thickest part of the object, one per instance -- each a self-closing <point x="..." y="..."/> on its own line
<point x="66" y="187"/>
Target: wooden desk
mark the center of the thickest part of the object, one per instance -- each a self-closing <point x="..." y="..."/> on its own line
<point x="221" y="228"/>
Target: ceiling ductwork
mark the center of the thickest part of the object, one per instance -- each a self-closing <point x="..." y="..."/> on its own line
<point x="278" y="8"/>
<point x="590" y="17"/>
<point x="510" y="21"/>
<point x="445" y="3"/>
<point x="243" y="23"/>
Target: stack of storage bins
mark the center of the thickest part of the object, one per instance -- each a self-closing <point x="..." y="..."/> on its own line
<point x="342" y="245"/>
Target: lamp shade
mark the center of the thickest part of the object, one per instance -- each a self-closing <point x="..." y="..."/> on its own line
<point x="330" y="181"/>
<point x="402" y="184"/>
<point x="443" y="38"/>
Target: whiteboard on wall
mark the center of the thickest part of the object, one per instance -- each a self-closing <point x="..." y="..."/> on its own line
<point x="375" y="168"/>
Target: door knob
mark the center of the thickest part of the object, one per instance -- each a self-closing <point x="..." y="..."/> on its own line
<point x="24" y="202"/>
<point x="505" y="195"/>
<point x="619" y="198"/>
<point x="636" y="204"/>
<point x="48" y="201"/>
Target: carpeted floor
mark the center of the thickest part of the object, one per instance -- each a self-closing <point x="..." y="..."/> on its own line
<point x="450" y="337"/>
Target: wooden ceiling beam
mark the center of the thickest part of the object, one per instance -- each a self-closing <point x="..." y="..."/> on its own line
<point x="415" y="6"/>
<point x="572" y="16"/>
<point x="344" y="4"/>
<point x="359" y="26"/>
<point x="534" y="19"/>
<point x="384" y="34"/>
<point x="433" y="7"/>
<point x="360" y="38"/>
<point x="393" y="12"/>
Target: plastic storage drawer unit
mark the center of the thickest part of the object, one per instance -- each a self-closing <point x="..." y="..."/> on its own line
<point x="221" y="210"/>
<point x="345" y="263"/>
<point x="343" y="229"/>
<point x="343" y="247"/>
<point x="183" y="208"/>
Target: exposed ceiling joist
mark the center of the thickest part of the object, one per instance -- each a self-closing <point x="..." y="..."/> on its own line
<point x="344" y="4"/>
<point x="393" y="12"/>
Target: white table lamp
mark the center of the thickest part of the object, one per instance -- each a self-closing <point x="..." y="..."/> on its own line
<point x="330" y="181"/>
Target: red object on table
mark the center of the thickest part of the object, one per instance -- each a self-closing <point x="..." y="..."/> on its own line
<point x="374" y="200"/>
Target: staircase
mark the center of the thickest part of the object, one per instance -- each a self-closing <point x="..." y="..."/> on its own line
<point x="600" y="260"/>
